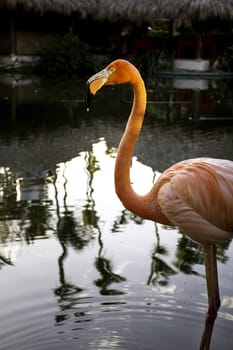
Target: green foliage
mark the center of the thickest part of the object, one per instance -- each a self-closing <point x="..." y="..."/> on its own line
<point x="66" y="56"/>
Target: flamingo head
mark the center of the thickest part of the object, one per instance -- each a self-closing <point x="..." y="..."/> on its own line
<point x="117" y="72"/>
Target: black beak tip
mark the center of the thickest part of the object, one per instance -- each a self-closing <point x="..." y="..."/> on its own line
<point x="88" y="97"/>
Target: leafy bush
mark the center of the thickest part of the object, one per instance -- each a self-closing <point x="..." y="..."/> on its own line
<point x="66" y="56"/>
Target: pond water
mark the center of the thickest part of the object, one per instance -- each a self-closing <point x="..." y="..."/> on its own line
<point x="77" y="270"/>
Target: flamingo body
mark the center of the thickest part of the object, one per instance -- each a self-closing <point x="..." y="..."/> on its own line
<point x="197" y="196"/>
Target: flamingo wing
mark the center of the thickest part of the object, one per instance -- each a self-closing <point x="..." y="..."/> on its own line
<point x="197" y="196"/>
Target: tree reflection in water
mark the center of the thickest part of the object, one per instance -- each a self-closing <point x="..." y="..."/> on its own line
<point x="188" y="253"/>
<point x="102" y="264"/>
<point x="160" y="271"/>
<point x="69" y="232"/>
<point x="66" y="233"/>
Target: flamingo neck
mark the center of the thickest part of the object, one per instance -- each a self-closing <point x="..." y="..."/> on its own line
<point x="140" y="205"/>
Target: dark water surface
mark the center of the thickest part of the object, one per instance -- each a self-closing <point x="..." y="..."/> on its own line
<point x="77" y="270"/>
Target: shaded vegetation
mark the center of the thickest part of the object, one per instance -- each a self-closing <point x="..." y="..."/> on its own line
<point x="151" y="62"/>
<point x="67" y="56"/>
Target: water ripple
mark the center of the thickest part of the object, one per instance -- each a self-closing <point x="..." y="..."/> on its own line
<point x="125" y="322"/>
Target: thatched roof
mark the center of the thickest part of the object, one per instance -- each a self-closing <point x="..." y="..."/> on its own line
<point x="112" y="10"/>
<point x="65" y="7"/>
<point x="190" y="11"/>
<point x="129" y="10"/>
<point x="137" y="11"/>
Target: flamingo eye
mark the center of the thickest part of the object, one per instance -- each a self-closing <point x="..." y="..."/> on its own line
<point x="112" y="70"/>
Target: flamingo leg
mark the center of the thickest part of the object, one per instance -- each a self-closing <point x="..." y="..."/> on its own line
<point x="213" y="293"/>
<point x="212" y="281"/>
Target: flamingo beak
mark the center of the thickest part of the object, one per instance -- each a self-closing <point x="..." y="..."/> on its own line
<point x="94" y="83"/>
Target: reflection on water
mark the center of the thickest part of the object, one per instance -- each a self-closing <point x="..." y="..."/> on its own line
<point x="77" y="270"/>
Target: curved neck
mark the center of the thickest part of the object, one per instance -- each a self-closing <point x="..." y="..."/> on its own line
<point x="140" y="205"/>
